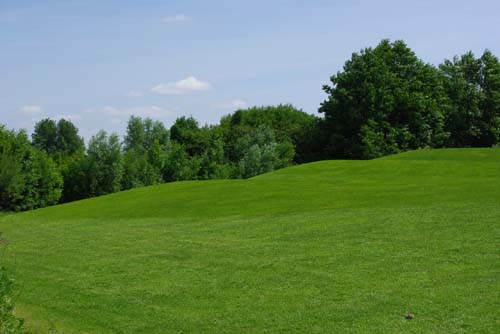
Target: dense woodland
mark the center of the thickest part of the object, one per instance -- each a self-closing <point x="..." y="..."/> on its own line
<point x="386" y="100"/>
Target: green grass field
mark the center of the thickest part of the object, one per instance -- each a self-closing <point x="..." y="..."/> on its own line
<point x="326" y="247"/>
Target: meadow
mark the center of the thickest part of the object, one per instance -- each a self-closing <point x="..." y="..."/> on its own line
<point x="325" y="247"/>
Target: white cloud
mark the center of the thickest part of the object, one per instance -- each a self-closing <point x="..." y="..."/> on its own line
<point x="177" y="18"/>
<point x="145" y="111"/>
<point x="232" y="105"/>
<point x="135" y="93"/>
<point x="31" y="109"/>
<point x="184" y="86"/>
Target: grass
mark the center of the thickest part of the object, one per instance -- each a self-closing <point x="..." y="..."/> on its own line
<point x="326" y="247"/>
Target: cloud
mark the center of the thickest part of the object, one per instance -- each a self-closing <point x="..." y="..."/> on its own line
<point x="232" y="105"/>
<point x="184" y="86"/>
<point x="177" y="18"/>
<point x="31" y="109"/>
<point x="145" y="111"/>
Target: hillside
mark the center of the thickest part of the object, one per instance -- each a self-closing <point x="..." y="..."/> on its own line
<point x="331" y="246"/>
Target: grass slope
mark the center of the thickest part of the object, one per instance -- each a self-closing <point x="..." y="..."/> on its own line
<point x="326" y="247"/>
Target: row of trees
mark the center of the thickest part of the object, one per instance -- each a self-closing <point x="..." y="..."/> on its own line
<point x="55" y="166"/>
<point x="385" y="100"/>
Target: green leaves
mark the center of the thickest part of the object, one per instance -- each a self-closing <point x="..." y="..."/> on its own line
<point x="386" y="100"/>
<point x="29" y="179"/>
<point x="9" y="324"/>
<point x="473" y="88"/>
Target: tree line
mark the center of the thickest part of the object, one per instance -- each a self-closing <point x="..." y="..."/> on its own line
<point x="386" y="100"/>
<point x="55" y="166"/>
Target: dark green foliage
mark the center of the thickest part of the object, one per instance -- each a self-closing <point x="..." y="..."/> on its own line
<point x="68" y="141"/>
<point x="187" y="132"/>
<point x="473" y="85"/>
<point x="44" y="136"/>
<point x="29" y="179"/>
<point x="63" y="144"/>
<point x="76" y="180"/>
<point x="179" y="166"/>
<point x="9" y="324"/>
<point x="386" y="100"/>
<point x="59" y="140"/>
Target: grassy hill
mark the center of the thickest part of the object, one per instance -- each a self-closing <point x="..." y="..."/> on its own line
<point x="326" y="247"/>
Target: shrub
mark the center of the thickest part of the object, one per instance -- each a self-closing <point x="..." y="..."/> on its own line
<point x="9" y="324"/>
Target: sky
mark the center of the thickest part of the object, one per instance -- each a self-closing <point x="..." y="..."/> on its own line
<point x="98" y="62"/>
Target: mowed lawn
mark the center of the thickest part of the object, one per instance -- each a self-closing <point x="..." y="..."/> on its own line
<point x="326" y="247"/>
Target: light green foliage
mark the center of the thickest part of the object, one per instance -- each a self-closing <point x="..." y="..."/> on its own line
<point x="9" y="324"/>
<point x="261" y="153"/>
<point x="288" y="124"/>
<point x="103" y="164"/>
<point x="146" y="148"/>
<point x="326" y="247"/>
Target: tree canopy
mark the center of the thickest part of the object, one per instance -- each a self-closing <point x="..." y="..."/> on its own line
<point x="385" y="100"/>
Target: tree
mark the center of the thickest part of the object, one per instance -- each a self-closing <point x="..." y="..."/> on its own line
<point x="212" y="163"/>
<point x="29" y="178"/>
<point x="138" y="171"/>
<point x="288" y="123"/>
<point x="179" y="165"/>
<point x="76" y="180"/>
<point x="473" y="85"/>
<point x="386" y="100"/>
<point x="187" y="132"/>
<point x="103" y="164"/>
<point x="68" y="141"/>
<point x="261" y="153"/>
<point x="146" y="146"/>
<point x="45" y="136"/>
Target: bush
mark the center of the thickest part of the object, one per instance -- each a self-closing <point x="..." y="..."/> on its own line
<point x="9" y="324"/>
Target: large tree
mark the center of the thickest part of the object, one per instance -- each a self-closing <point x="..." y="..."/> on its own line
<point x="44" y="136"/>
<point x="68" y="141"/>
<point x="386" y="100"/>
<point x="473" y="85"/>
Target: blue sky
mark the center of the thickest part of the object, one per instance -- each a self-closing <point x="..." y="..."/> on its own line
<point x="98" y="62"/>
